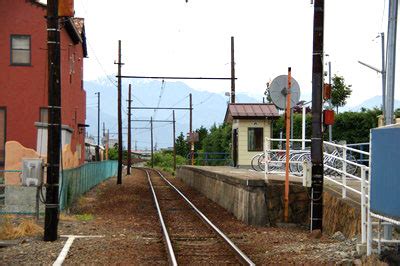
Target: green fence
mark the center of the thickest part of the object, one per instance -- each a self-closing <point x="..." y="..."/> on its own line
<point x="77" y="181"/>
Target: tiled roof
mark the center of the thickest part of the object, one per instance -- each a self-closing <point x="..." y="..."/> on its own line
<point x="250" y="110"/>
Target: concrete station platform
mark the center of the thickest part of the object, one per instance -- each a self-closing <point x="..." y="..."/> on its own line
<point x="255" y="201"/>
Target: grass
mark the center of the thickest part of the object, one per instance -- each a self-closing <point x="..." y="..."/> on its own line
<point x="84" y="217"/>
<point x="10" y="230"/>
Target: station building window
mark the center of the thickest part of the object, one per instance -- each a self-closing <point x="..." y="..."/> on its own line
<point x="255" y="139"/>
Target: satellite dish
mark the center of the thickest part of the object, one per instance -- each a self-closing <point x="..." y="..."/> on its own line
<point x="278" y="92"/>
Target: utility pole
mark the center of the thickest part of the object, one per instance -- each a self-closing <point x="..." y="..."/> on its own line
<point x="317" y="169"/>
<point x="151" y="132"/>
<point x="129" y="132"/>
<point x="54" y="125"/>
<point x="104" y="133"/>
<point x="330" y="100"/>
<point x="174" y="138"/>
<point x="233" y="96"/>
<point x="98" y="127"/>
<point x="391" y="61"/>
<point x="119" y="177"/>
<point x="107" y="144"/>
<point x="191" y="130"/>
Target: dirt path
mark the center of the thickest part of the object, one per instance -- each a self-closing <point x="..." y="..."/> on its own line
<point x="126" y="217"/>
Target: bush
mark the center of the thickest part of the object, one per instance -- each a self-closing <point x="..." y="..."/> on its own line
<point x="165" y="160"/>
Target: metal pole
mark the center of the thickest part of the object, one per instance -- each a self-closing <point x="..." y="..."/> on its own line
<point x="288" y="119"/>
<point x="317" y="138"/>
<point x="330" y="100"/>
<point x="174" y="136"/>
<point x="129" y="132"/>
<point x="54" y="126"/>
<point x="151" y="132"/>
<point x="233" y="97"/>
<point x="391" y="60"/>
<point x="383" y="72"/>
<point x="119" y="177"/>
<point x="191" y="130"/>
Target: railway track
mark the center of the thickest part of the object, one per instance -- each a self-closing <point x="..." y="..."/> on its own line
<point x="190" y="237"/>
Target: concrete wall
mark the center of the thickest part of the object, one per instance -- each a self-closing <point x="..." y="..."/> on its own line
<point x="20" y="199"/>
<point x="258" y="203"/>
<point x="251" y="201"/>
<point x="245" y="156"/>
<point x="245" y="201"/>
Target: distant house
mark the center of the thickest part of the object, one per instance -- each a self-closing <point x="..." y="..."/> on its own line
<point x="251" y="123"/>
<point x="24" y="77"/>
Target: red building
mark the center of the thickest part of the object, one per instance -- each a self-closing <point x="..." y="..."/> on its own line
<point x="24" y="78"/>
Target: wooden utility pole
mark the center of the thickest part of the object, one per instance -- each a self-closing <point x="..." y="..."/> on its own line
<point x="233" y="97"/>
<point x="288" y="113"/>
<point x="107" y="143"/>
<point x="317" y="170"/>
<point x="152" y="152"/>
<point x="54" y="125"/>
<point x="119" y="177"/>
<point x="129" y="132"/>
<point x="174" y="138"/>
<point x="191" y="130"/>
<point x="98" y="127"/>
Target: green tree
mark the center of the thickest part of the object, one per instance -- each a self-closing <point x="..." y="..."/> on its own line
<point x="353" y="127"/>
<point x="182" y="147"/>
<point x="397" y="113"/>
<point x="340" y="92"/>
<point x="113" y="153"/>
<point x="203" y="132"/>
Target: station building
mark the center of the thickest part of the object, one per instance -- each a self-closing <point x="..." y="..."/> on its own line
<point x="251" y="124"/>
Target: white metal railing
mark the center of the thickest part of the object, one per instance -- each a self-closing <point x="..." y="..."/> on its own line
<point x="340" y="168"/>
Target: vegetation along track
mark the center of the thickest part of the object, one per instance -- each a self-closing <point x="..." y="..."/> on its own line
<point x="189" y="235"/>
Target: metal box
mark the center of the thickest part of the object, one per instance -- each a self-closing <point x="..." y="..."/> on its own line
<point x="32" y="174"/>
<point x="385" y="174"/>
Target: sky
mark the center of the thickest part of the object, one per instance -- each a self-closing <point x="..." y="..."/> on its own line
<point x="175" y="38"/>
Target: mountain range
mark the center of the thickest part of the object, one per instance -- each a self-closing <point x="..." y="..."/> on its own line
<point x="209" y="108"/>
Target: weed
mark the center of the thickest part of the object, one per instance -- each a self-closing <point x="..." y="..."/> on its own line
<point x="26" y="227"/>
<point x="84" y="217"/>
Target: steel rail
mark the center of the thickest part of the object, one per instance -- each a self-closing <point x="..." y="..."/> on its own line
<point x="244" y="259"/>
<point x="170" y="250"/>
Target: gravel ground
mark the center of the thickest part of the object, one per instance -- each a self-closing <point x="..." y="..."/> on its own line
<point x="126" y="218"/>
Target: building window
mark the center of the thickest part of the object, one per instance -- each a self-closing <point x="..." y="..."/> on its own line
<point x="21" y="50"/>
<point x="44" y="115"/>
<point x="255" y="139"/>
